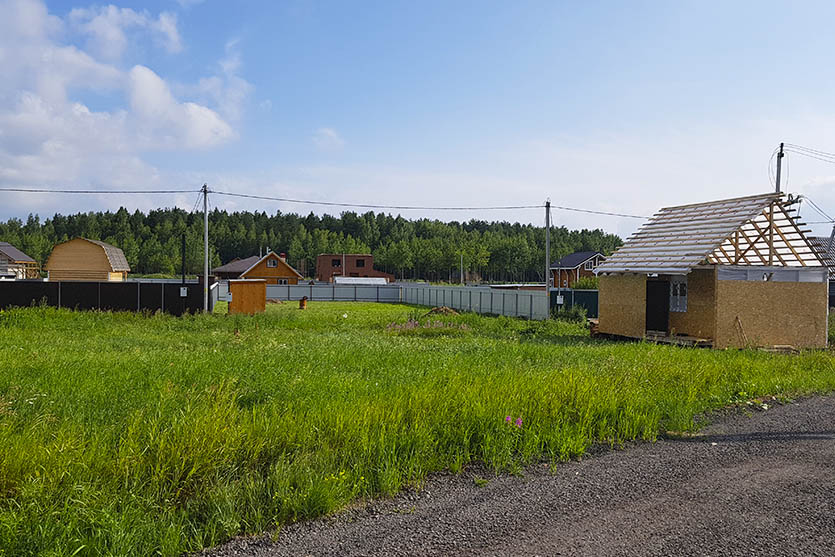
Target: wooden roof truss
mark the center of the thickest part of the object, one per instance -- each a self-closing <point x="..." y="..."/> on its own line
<point x="755" y="230"/>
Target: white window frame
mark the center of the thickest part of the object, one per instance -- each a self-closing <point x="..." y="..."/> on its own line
<point x="272" y="263"/>
<point x="678" y="294"/>
<point x="589" y="266"/>
<point x="282" y="281"/>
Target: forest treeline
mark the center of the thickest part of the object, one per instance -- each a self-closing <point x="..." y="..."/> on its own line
<point x="422" y="248"/>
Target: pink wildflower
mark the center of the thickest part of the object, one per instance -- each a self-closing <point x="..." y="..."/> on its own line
<point x="507" y="419"/>
<point x="519" y="422"/>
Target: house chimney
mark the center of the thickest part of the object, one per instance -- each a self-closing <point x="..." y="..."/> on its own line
<point x="282" y="255"/>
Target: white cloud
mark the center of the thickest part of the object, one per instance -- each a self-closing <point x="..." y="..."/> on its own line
<point x="226" y="89"/>
<point x="48" y="137"/>
<point x="107" y="28"/>
<point x="327" y="139"/>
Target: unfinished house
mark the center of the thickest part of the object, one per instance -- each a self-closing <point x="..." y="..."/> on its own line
<point x="732" y="273"/>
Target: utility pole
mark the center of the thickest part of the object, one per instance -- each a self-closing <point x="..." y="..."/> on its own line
<point x="205" y="248"/>
<point x="548" y="248"/>
<point x="780" y="156"/>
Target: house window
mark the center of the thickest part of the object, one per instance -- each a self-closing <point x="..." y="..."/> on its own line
<point x="282" y="281"/>
<point x="360" y="262"/>
<point x="272" y="263"/>
<point x="678" y="294"/>
<point x="589" y="266"/>
<point x="336" y="263"/>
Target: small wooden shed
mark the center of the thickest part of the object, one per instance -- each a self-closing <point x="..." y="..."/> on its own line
<point x="248" y="296"/>
<point x="732" y="273"/>
<point x="81" y="259"/>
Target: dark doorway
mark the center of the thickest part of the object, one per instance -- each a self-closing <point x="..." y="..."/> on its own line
<point x="658" y="305"/>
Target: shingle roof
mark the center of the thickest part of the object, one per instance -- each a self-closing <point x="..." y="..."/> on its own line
<point x="821" y="244"/>
<point x="729" y="232"/>
<point x="237" y="266"/>
<point x="260" y="259"/>
<point x="14" y="254"/>
<point x="574" y="260"/>
<point x="115" y="256"/>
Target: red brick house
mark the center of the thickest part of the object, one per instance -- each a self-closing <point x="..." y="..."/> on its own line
<point x="329" y="265"/>
<point x="570" y="268"/>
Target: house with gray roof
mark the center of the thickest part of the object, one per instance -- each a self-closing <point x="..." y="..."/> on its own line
<point x="14" y="264"/>
<point x="568" y="270"/>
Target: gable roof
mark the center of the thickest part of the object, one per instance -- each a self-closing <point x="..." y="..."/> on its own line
<point x="574" y="260"/>
<point x="237" y="265"/>
<point x="277" y="257"/>
<point x="729" y="232"/>
<point x="14" y="254"/>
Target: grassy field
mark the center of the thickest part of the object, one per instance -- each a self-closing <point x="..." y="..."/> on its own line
<point x="125" y="434"/>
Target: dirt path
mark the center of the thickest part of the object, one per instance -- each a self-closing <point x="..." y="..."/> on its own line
<point x="757" y="484"/>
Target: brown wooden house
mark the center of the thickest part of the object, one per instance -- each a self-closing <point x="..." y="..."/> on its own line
<point x="16" y="264"/>
<point x="273" y="268"/>
<point x="329" y="265"/>
<point x="732" y="273"/>
<point x="568" y="270"/>
<point x="81" y="259"/>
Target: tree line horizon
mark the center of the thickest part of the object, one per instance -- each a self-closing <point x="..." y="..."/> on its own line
<point x="428" y="249"/>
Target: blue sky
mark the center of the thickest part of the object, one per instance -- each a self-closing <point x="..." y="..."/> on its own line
<point x="612" y="106"/>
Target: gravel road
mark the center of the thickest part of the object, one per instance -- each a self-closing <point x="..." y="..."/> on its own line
<point x="753" y="483"/>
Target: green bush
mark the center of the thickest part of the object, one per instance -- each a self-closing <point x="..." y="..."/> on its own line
<point x="586" y="283"/>
<point x="573" y="314"/>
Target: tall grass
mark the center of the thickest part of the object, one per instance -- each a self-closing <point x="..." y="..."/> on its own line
<point x="124" y="434"/>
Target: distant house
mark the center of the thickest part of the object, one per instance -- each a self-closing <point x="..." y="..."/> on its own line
<point x="570" y="268"/>
<point x="16" y="264"/>
<point x="234" y="268"/>
<point x="81" y="259"/>
<point x="330" y="265"/>
<point x="731" y="273"/>
<point x="272" y="267"/>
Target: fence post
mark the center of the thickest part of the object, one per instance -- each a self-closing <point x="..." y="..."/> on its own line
<point x="378" y="294"/>
<point x="355" y="293"/>
<point x="491" y="301"/>
<point x="530" y="305"/>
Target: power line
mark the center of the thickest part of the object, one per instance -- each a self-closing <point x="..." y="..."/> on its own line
<point x="370" y="206"/>
<point x="809" y="149"/>
<point x="420" y="207"/>
<point x="45" y="190"/>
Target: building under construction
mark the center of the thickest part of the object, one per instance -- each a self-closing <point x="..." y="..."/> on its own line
<point x="731" y="273"/>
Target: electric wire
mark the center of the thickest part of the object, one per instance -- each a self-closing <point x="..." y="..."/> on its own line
<point x="421" y="207"/>
<point x="48" y="190"/>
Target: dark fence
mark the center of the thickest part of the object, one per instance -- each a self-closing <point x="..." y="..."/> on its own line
<point x="570" y="298"/>
<point x="175" y="299"/>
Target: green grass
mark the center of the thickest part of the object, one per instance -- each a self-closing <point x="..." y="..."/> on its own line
<point x="124" y="434"/>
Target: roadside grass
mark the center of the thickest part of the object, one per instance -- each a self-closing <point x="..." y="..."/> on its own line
<point x="125" y="434"/>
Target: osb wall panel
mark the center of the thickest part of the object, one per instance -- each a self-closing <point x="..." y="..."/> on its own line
<point x="248" y="297"/>
<point x="700" y="318"/>
<point x="78" y="255"/>
<point x="771" y="313"/>
<point x="623" y="305"/>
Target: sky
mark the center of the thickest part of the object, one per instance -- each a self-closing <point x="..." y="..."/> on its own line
<point x="611" y="106"/>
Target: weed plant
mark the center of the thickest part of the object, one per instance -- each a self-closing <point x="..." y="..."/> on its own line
<point x="125" y="434"/>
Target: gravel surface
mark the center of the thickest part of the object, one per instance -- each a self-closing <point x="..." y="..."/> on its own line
<point x="753" y="483"/>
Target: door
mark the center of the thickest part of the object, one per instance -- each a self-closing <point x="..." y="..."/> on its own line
<point x="658" y="305"/>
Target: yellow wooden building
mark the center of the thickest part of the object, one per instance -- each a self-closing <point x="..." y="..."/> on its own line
<point x="731" y="273"/>
<point x="274" y="269"/>
<point x="81" y="259"/>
